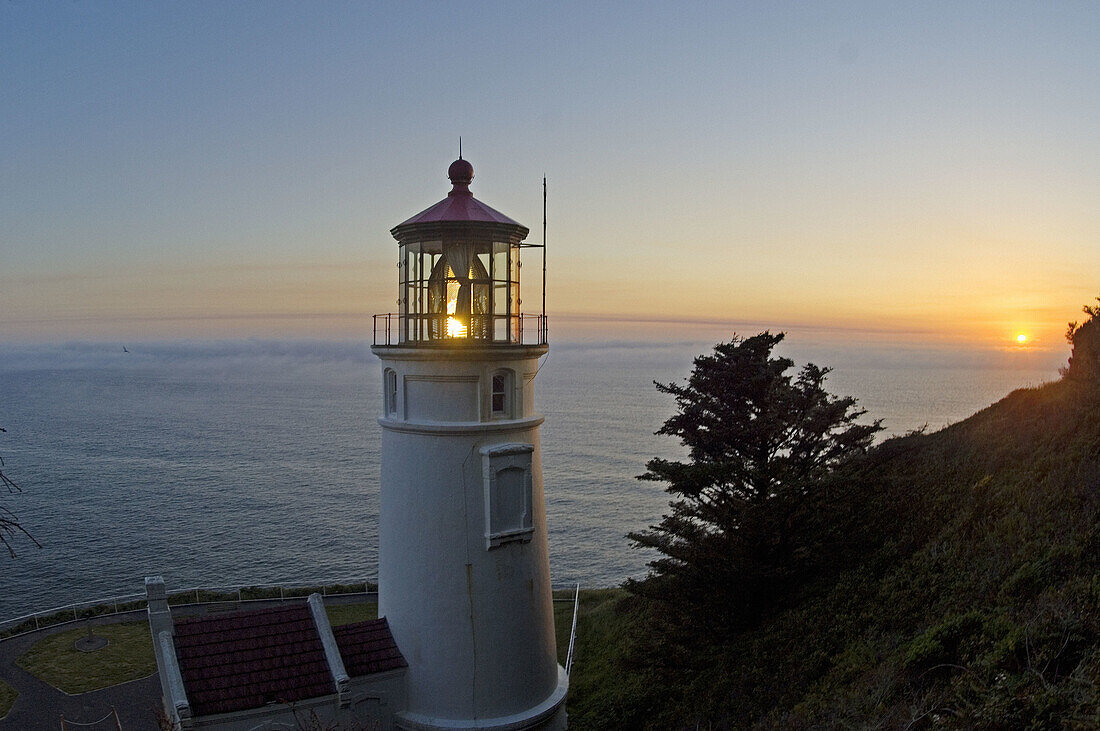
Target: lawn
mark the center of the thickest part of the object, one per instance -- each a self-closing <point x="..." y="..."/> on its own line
<point x="129" y="656"/>
<point x="7" y="698"/>
<point x="339" y="614"/>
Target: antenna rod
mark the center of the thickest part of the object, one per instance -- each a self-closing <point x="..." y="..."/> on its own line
<point x="460" y="147"/>
<point x="544" y="251"/>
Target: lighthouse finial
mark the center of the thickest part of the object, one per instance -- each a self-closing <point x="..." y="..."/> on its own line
<point x="461" y="173"/>
<point x="460" y="147"/>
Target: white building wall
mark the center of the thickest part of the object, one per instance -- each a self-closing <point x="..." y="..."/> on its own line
<point x="474" y="622"/>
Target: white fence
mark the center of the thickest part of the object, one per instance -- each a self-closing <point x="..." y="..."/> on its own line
<point x="124" y="603"/>
<point x="573" y="631"/>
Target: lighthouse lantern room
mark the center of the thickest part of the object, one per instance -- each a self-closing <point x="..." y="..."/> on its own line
<point x="464" y="571"/>
<point x="459" y="268"/>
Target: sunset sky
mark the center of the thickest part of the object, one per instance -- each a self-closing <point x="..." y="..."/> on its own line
<point x="918" y="172"/>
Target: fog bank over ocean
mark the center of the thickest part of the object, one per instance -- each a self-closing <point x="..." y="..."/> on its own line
<point x="219" y="462"/>
<point x="907" y="384"/>
<point x="831" y="351"/>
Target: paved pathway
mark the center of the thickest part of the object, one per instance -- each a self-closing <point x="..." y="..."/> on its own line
<point x="40" y="705"/>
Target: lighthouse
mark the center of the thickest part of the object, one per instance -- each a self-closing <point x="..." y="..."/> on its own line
<point x="464" y="571"/>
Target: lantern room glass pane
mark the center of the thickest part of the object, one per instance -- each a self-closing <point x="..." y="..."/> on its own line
<point x="500" y="260"/>
<point x="404" y="262"/>
<point x="458" y="306"/>
<point x="437" y="303"/>
<point x="405" y="258"/>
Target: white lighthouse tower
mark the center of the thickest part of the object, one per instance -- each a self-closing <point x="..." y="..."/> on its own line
<point x="464" y="571"/>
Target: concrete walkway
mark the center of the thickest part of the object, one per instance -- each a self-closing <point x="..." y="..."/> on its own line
<point x="40" y="705"/>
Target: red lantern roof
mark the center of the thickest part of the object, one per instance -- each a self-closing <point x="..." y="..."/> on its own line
<point x="459" y="205"/>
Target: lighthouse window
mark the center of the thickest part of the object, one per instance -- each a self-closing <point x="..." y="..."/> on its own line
<point x="508" y="493"/>
<point x="502" y="394"/>
<point x="391" y="392"/>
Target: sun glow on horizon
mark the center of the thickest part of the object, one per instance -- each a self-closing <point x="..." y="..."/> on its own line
<point x="1022" y="339"/>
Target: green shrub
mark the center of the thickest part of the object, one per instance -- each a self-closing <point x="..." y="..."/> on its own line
<point x="943" y="643"/>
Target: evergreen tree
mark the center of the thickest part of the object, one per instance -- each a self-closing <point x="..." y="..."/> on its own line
<point x="759" y="443"/>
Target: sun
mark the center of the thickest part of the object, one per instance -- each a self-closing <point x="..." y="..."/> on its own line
<point x="1021" y="338"/>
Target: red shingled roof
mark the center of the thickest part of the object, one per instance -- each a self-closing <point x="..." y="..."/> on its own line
<point x="368" y="647"/>
<point x="242" y="660"/>
<point x="460" y="207"/>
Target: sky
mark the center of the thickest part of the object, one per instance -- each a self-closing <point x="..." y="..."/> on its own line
<point x="890" y="172"/>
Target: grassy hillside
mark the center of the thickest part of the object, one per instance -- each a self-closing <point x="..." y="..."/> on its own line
<point x="957" y="587"/>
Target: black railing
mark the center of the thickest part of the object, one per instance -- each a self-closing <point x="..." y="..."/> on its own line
<point x="392" y="328"/>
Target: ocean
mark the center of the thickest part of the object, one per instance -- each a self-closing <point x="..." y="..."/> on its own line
<point x="248" y="462"/>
